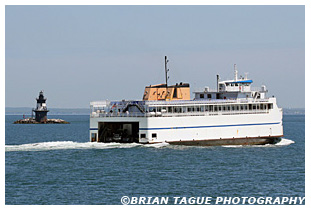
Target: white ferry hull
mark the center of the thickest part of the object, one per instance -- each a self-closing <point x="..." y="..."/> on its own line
<point x="216" y="130"/>
<point x="209" y="130"/>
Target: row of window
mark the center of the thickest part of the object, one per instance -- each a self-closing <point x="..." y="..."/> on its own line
<point x="208" y="95"/>
<point x="211" y="108"/>
<point x="235" y="84"/>
<point x="143" y="135"/>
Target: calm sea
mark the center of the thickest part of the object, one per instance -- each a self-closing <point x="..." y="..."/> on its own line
<point x="55" y="164"/>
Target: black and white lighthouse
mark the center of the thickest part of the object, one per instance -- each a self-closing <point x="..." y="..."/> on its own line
<point x="41" y="110"/>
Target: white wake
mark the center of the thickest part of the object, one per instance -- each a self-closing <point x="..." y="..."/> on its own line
<point x="63" y="145"/>
<point x="283" y="142"/>
<point x="58" y="145"/>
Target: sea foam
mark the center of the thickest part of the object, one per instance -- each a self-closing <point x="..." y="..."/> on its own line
<point x="63" y="145"/>
<point x="283" y="142"/>
<point x="58" y="145"/>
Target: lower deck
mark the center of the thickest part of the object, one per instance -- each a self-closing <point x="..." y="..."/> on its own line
<point x="123" y="132"/>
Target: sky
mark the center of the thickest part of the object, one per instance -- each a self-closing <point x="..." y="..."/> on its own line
<point x="79" y="54"/>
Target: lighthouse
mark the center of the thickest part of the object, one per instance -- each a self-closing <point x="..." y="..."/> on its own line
<point x="41" y="109"/>
<point x="41" y="112"/>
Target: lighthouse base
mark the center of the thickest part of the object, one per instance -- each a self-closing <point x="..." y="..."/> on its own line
<point x="48" y="121"/>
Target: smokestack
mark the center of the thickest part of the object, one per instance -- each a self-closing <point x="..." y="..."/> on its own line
<point x="217" y="83"/>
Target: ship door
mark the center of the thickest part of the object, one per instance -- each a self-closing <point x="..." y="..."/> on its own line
<point x="122" y="132"/>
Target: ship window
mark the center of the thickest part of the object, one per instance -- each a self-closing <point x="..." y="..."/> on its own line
<point x="142" y="135"/>
<point x="201" y="95"/>
<point x="154" y="135"/>
<point x="270" y="106"/>
<point x="250" y="107"/>
<point x="254" y="106"/>
<point x="152" y="109"/>
<point x="169" y="109"/>
<point x="215" y="108"/>
<point x="94" y="137"/>
<point x="209" y="96"/>
<point x="241" y="108"/>
<point x="177" y="109"/>
<point x="191" y="109"/>
<point x="228" y="108"/>
<point x="175" y="93"/>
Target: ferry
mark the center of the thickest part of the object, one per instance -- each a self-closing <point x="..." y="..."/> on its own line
<point x="232" y="114"/>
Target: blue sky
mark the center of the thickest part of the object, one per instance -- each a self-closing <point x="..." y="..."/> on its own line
<point x="78" y="54"/>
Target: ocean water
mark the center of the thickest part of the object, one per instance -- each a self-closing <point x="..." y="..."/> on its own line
<point x="55" y="164"/>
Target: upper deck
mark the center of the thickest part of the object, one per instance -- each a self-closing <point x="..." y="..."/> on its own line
<point x="231" y="97"/>
<point x="181" y="108"/>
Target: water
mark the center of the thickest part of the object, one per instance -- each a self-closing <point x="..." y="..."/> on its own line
<point x="55" y="164"/>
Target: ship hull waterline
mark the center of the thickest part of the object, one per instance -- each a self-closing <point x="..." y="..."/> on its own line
<point x="226" y="142"/>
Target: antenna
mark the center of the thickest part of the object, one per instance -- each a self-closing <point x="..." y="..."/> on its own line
<point x="246" y="73"/>
<point x="235" y="73"/>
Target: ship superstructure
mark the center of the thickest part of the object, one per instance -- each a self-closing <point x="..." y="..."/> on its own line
<point x="232" y="114"/>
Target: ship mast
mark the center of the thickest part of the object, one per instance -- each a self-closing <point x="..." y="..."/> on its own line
<point x="166" y="77"/>
<point x="166" y="71"/>
<point x="235" y="73"/>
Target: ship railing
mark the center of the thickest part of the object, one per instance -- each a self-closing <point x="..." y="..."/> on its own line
<point x="99" y="106"/>
<point x="205" y="101"/>
<point x="204" y="89"/>
<point x="183" y="114"/>
<point x="119" y="114"/>
<point x="238" y="112"/>
<point x="258" y="89"/>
